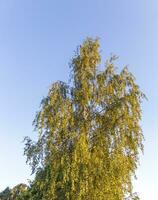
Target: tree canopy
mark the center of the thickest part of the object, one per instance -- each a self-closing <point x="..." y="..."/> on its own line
<point x="89" y="134"/>
<point x="19" y="192"/>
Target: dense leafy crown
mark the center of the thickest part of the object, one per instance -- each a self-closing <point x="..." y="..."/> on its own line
<point x="89" y="133"/>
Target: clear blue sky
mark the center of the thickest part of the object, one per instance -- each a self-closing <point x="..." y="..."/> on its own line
<point x="37" y="41"/>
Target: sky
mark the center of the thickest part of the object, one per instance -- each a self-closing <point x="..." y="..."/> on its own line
<point x="37" y="41"/>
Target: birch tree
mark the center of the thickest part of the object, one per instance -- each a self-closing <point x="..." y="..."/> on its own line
<point x="89" y="134"/>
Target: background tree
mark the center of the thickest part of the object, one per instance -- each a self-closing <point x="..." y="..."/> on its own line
<point x="19" y="192"/>
<point x="89" y="133"/>
<point x="5" y="194"/>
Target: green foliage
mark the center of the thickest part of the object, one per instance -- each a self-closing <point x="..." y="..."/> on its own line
<point x="19" y="192"/>
<point x="89" y="133"/>
<point x="5" y="194"/>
